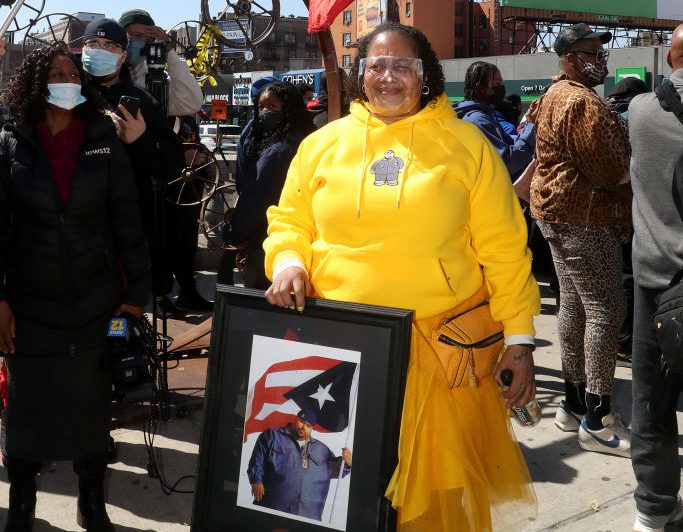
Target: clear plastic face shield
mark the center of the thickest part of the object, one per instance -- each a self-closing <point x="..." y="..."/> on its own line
<point x="400" y="67"/>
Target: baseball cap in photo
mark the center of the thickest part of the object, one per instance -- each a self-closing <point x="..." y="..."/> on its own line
<point x="308" y="415"/>
<point x="577" y="32"/>
<point x="106" y="28"/>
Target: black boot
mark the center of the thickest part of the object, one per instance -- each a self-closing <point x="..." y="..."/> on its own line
<point x="92" y="513"/>
<point x="22" y="495"/>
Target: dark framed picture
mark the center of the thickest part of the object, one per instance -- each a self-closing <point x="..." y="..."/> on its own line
<point x="301" y="416"/>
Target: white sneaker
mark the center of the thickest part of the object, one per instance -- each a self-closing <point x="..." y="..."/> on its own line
<point x="565" y="419"/>
<point x="648" y="523"/>
<point x="613" y="438"/>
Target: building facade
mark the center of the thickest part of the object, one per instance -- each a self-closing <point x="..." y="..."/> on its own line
<point x="288" y="47"/>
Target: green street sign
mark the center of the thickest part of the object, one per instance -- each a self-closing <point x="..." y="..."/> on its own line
<point x="630" y="72"/>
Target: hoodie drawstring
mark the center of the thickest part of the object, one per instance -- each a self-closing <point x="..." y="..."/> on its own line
<point x="409" y="159"/>
<point x="361" y="177"/>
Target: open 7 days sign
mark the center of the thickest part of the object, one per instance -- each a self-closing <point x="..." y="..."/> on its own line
<point x="662" y="9"/>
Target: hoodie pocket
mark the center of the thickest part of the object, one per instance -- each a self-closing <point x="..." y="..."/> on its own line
<point x="381" y="279"/>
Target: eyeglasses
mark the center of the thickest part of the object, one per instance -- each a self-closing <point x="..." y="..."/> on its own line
<point x="401" y="67"/>
<point x="103" y="45"/>
<point x="600" y="55"/>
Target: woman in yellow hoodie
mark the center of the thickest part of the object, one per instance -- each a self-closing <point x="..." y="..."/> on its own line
<point x="401" y="204"/>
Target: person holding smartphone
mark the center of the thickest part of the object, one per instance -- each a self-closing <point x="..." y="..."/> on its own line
<point x="72" y="255"/>
<point x="155" y="152"/>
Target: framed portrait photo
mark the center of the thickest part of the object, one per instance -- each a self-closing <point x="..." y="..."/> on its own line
<point x="301" y="416"/>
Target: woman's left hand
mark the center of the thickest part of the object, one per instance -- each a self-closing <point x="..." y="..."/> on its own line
<point x="131" y="309"/>
<point x="518" y="359"/>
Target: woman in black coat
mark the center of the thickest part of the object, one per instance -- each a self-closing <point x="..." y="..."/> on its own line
<point x="72" y="255"/>
<point x="266" y="148"/>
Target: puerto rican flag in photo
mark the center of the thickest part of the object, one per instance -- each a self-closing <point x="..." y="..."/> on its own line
<point x="318" y="383"/>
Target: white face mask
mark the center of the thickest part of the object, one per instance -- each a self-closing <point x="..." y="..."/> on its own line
<point x="65" y="95"/>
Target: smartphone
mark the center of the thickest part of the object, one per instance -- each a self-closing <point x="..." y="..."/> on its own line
<point x="131" y="104"/>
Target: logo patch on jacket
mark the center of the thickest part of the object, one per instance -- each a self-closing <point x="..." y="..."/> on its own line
<point x="98" y="151"/>
<point x="387" y="168"/>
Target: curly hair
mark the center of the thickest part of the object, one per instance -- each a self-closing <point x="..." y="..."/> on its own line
<point x="478" y="73"/>
<point x="27" y="92"/>
<point x="295" y="116"/>
<point x="433" y="73"/>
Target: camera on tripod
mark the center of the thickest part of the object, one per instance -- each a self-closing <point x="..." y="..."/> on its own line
<point x="133" y="358"/>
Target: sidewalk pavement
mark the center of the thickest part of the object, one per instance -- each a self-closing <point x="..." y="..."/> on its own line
<point x="577" y="491"/>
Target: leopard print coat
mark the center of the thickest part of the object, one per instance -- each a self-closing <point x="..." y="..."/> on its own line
<point x="583" y="155"/>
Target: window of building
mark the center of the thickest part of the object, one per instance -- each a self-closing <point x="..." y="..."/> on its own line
<point x="482" y="43"/>
<point x="346" y="60"/>
<point x="311" y="39"/>
<point x="459" y="9"/>
<point x="482" y="21"/>
<point x="292" y="54"/>
<point x="346" y="39"/>
<point x="409" y="9"/>
<point x="347" y="18"/>
<point x="290" y="38"/>
<point x="458" y="30"/>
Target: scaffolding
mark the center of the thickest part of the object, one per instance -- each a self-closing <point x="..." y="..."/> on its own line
<point x="532" y="30"/>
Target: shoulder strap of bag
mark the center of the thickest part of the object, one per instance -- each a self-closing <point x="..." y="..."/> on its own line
<point x="669" y="99"/>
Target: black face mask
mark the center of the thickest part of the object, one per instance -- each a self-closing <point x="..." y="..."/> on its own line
<point x="270" y="120"/>
<point x="498" y="94"/>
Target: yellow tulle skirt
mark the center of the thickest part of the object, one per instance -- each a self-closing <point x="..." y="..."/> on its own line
<point x="460" y="468"/>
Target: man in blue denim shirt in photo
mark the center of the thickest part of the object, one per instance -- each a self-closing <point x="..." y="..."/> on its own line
<point x="291" y="472"/>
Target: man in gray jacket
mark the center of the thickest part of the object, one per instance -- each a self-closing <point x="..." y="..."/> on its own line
<point x="185" y="96"/>
<point x="657" y="144"/>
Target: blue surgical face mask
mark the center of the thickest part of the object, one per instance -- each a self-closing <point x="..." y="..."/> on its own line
<point x="65" y="95"/>
<point x="134" y="48"/>
<point x="99" y="63"/>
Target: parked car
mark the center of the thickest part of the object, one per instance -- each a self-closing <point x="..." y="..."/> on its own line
<point x="229" y="136"/>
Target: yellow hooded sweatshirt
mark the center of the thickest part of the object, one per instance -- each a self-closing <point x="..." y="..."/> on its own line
<point x="415" y="214"/>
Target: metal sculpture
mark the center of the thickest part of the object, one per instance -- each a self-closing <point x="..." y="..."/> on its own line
<point x="203" y="52"/>
<point x="244" y="13"/>
<point x="198" y="179"/>
<point x="62" y="31"/>
<point x="21" y="14"/>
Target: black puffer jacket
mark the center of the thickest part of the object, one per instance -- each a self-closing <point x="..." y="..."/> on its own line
<point x="64" y="266"/>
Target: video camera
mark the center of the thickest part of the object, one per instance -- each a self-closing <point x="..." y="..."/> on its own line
<point x="155" y="54"/>
<point x="132" y="342"/>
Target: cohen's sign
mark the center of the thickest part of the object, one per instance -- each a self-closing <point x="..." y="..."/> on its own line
<point x="295" y="79"/>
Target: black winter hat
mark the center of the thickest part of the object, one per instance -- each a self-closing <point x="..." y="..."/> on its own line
<point x="136" y="16"/>
<point x="576" y="32"/>
<point x="628" y="88"/>
<point x="106" y="28"/>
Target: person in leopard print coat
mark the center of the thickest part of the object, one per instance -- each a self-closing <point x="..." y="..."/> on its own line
<point x="581" y="199"/>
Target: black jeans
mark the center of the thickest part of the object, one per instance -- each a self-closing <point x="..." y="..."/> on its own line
<point x="654" y="430"/>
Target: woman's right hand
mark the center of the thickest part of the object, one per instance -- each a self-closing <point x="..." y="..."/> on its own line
<point x="7" y="328"/>
<point x="292" y="281"/>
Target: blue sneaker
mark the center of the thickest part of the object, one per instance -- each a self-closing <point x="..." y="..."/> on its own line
<point x="612" y="438"/>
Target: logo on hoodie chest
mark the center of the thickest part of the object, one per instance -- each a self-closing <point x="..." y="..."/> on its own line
<point x="387" y="169"/>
